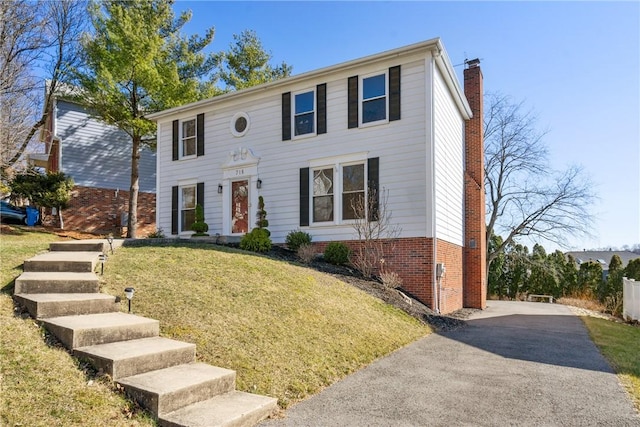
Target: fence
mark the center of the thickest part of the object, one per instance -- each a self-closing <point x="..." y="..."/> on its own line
<point x="631" y="298"/>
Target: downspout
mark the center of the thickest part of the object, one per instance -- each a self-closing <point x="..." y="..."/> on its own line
<point x="435" y="291"/>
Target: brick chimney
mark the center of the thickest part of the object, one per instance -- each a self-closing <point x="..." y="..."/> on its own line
<point x="475" y="250"/>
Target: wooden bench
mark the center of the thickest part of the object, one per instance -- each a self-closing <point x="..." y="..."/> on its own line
<point x="539" y="297"/>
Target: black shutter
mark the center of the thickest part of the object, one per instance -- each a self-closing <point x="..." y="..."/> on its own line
<point x="174" y="210"/>
<point x="304" y="196"/>
<point x="352" y="102"/>
<point x="200" y="135"/>
<point x="286" y="116"/>
<point x="200" y="194"/>
<point x="394" y="93"/>
<point x="174" y="139"/>
<point x="321" y="108"/>
<point x="373" y="179"/>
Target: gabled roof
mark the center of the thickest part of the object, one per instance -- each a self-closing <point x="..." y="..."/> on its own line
<point x="434" y="45"/>
<point x="603" y="257"/>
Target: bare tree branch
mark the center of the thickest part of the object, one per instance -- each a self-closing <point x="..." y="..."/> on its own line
<point x="525" y="197"/>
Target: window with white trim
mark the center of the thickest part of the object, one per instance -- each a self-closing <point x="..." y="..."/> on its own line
<point x="348" y="202"/>
<point x="188" y="198"/>
<point x="373" y="98"/>
<point x="304" y="115"/>
<point x="188" y="138"/>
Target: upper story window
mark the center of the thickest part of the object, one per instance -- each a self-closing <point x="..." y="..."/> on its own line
<point x="374" y="98"/>
<point x="304" y="113"/>
<point x="188" y="138"/>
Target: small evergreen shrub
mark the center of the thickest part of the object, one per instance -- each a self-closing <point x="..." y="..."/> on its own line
<point x="199" y="226"/>
<point x="337" y="253"/>
<point x="297" y="238"/>
<point x="306" y="253"/>
<point x="257" y="240"/>
<point x="262" y="221"/>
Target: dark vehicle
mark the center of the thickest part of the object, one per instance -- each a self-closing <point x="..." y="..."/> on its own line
<point x="11" y="213"/>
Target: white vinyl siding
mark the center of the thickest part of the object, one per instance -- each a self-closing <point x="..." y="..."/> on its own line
<point x="401" y="147"/>
<point x="449" y="165"/>
<point x="98" y="155"/>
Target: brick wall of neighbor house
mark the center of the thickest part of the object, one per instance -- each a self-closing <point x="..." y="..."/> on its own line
<point x="451" y="285"/>
<point x="99" y="210"/>
<point x="411" y="258"/>
<point x="475" y="287"/>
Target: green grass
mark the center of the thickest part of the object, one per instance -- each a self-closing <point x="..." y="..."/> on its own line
<point x="620" y="344"/>
<point x="288" y="331"/>
<point x="42" y="385"/>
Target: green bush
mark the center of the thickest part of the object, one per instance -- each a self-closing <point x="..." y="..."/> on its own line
<point x="199" y="226"/>
<point x="158" y="234"/>
<point x="257" y="240"/>
<point x="297" y="238"/>
<point x="336" y="253"/>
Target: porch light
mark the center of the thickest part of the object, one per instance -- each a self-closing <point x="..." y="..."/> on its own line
<point x="259" y="183"/>
<point x="219" y="188"/>
<point x="129" y="294"/>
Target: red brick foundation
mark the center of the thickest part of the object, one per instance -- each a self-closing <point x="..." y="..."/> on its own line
<point x="412" y="260"/>
<point x="100" y="211"/>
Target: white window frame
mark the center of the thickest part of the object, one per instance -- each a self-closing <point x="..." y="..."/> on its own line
<point x="182" y="138"/>
<point x="337" y="164"/>
<point x="361" y="99"/>
<point x="181" y="187"/>
<point x="293" y="114"/>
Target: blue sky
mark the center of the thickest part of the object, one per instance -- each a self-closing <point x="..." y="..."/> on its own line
<point x="576" y="64"/>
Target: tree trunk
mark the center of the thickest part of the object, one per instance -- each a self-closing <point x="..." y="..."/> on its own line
<point x="132" y="223"/>
<point x="60" y="218"/>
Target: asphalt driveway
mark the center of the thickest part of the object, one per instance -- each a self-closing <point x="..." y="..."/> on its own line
<point x="515" y="364"/>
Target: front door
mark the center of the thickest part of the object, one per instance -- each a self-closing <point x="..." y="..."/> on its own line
<point x="240" y="206"/>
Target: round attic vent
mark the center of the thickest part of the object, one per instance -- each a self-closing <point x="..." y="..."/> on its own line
<point x="239" y="125"/>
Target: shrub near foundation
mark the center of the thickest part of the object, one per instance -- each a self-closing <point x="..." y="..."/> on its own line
<point x="337" y="253"/>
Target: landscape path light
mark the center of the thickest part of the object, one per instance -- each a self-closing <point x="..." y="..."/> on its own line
<point x="129" y="294"/>
<point x="102" y="258"/>
<point x="110" y="240"/>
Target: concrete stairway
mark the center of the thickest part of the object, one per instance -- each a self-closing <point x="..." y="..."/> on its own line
<point x="61" y="289"/>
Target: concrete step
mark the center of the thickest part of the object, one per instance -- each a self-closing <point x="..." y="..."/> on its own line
<point x="55" y="305"/>
<point x="92" y="329"/>
<point x="234" y="409"/>
<point x="100" y="245"/>
<point x="167" y="390"/>
<point x="76" y="262"/>
<point x="127" y="358"/>
<point x="58" y="282"/>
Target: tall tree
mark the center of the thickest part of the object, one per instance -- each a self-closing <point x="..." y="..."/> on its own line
<point x="38" y="40"/>
<point x="138" y="63"/>
<point x="246" y="63"/>
<point x="524" y="196"/>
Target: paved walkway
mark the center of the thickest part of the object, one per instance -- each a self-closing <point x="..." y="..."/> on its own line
<point x="516" y="364"/>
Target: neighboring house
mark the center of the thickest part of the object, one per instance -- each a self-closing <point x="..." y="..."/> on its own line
<point x="602" y="257"/>
<point x="98" y="158"/>
<point x="395" y="123"/>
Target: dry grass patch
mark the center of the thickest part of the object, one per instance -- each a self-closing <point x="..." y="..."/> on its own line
<point x="620" y="344"/>
<point x="41" y="385"/>
<point x="288" y="331"/>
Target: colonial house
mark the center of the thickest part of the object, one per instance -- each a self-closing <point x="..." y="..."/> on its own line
<point x="98" y="158"/>
<point x="395" y="125"/>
